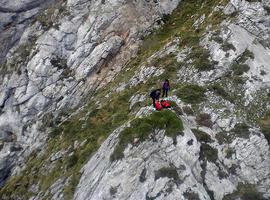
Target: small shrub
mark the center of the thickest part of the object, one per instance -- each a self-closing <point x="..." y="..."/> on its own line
<point x="229" y="152"/>
<point x="228" y="46"/>
<point x="239" y="69"/>
<point x="188" y="110"/>
<point x="218" y="39"/>
<point x="204" y="119"/>
<point x="218" y="89"/>
<point x="191" y="196"/>
<point x="72" y="160"/>
<point x="267" y="9"/>
<point x="245" y="192"/>
<point x="222" y="174"/>
<point x="59" y="63"/>
<point x="262" y="72"/>
<point x="208" y="153"/>
<point x="167" y="172"/>
<point x="239" y="80"/>
<point x="265" y="127"/>
<point x="176" y="108"/>
<point x="113" y="191"/>
<point x="191" y="93"/>
<point x="200" y="59"/>
<point x="247" y="54"/>
<point x="223" y="137"/>
<point x="142" y="177"/>
<point x="201" y="136"/>
<point x="241" y="130"/>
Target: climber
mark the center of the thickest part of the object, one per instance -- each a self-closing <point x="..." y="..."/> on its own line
<point x="166" y="88"/>
<point x="155" y="94"/>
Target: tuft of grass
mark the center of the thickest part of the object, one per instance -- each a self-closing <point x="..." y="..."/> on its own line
<point x="169" y="172"/>
<point x="204" y="119"/>
<point x="219" y="90"/>
<point x="239" y="69"/>
<point x="200" y="59"/>
<point x="191" y="196"/>
<point x="245" y="191"/>
<point x="193" y="94"/>
<point x="247" y="54"/>
<point x="241" y="130"/>
<point x="217" y="39"/>
<point x="141" y="128"/>
<point x="226" y="46"/>
<point x="229" y="152"/>
<point x="265" y="127"/>
<point x="202" y="136"/>
<point x="208" y="153"/>
<point x="188" y="110"/>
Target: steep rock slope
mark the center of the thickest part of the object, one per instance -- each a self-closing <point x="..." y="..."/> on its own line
<point x="212" y="144"/>
<point x="57" y="57"/>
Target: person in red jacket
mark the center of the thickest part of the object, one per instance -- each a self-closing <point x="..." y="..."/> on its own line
<point x="166" y="88"/>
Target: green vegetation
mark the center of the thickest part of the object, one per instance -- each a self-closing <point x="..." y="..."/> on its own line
<point x="204" y="119"/>
<point x="245" y="192"/>
<point x="239" y="69"/>
<point x="179" y="24"/>
<point x="241" y="130"/>
<point x="208" y="153"/>
<point x="247" y="54"/>
<point x="93" y="130"/>
<point x="20" y="57"/>
<point x="229" y="152"/>
<point x="199" y="57"/>
<point x="141" y="128"/>
<point x="226" y="46"/>
<point x="219" y="90"/>
<point x="265" y="127"/>
<point x="217" y="39"/>
<point x="202" y="136"/>
<point x="188" y="110"/>
<point x="191" y="196"/>
<point x="193" y="94"/>
<point x="169" y="172"/>
<point x="92" y="126"/>
<point x="49" y="18"/>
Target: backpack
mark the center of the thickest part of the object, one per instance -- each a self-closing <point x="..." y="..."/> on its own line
<point x="158" y="106"/>
<point x="165" y="104"/>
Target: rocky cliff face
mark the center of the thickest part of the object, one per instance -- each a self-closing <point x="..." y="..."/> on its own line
<point x="55" y="53"/>
<point x="64" y="55"/>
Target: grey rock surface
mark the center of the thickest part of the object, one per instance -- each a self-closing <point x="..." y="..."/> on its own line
<point x="58" y="52"/>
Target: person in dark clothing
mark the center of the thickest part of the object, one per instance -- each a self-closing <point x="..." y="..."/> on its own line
<point x="155" y="94"/>
<point x="166" y="88"/>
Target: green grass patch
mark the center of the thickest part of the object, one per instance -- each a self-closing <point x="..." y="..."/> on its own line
<point x="200" y="59"/>
<point x="190" y="93"/>
<point x="226" y="46"/>
<point x="247" y="54"/>
<point x="219" y="90"/>
<point x="204" y="119"/>
<point x="245" y="192"/>
<point x="208" y="153"/>
<point x="241" y="130"/>
<point x="141" y="128"/>
<point x="191" y="196"/>
<point x="239" y="69"/>
<point x="202" y="136"/>
<point x="168" y="172"/>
